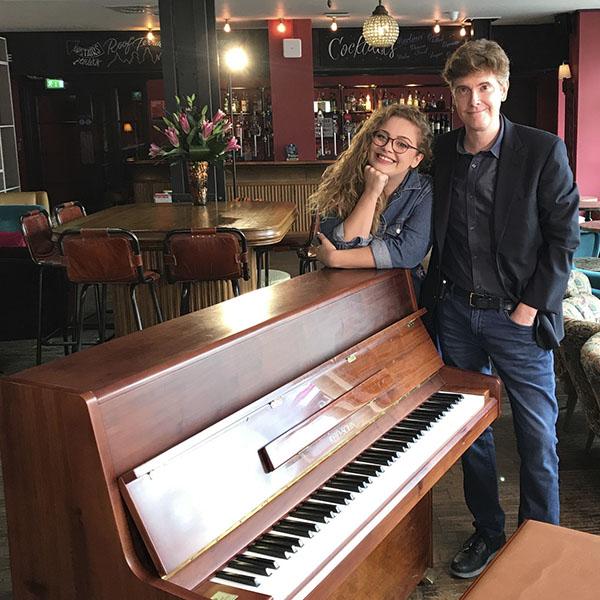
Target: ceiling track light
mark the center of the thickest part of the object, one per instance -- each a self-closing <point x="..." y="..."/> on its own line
<point x="462" y="31"/>
<point x="281" y="26"/>
<point x="334" y="25"/>
<point x="436" y="27"/>
<point x="150" y="35"/>
<point x="227" y="26"/>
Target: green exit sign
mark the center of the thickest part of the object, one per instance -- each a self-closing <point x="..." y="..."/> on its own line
<point x="55" y="84"/>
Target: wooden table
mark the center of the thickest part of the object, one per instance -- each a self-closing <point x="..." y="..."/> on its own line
<point x="590" y="226"/>
<point x="589" y="204"/>
<point x="542" y="562"/>
<point x="263" y="224"/>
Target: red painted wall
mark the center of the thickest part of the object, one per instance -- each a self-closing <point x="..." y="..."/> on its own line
<point x="292" y="90"/>
<point x="587" y="90"/>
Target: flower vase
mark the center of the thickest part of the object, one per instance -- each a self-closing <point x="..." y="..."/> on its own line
<point x="198" y="180"/>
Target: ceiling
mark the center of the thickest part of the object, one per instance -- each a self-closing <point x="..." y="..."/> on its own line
<point x="58" y="15"/>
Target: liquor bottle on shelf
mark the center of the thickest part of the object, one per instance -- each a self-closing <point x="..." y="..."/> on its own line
<point x="441" y="103"/>
<point x="244" y="103"/>
<point x="409" y="100"/>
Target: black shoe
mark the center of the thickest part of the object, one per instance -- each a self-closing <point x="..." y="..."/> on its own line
<point x="476" y="553"/>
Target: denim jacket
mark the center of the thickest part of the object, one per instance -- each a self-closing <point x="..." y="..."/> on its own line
<point x="404" y="235"/>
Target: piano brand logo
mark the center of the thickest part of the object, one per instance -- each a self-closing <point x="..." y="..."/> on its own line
<point x="336" y="435"/>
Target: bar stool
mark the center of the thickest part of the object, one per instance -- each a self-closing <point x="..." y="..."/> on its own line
<point x="263" y="258"/>
<point x="68" y="211"/>
<point x="37" y="233"/>
<point x="306" y="254"/>
<point x="212" y="254"/>
<point x="63" y="214"/>
<point x="106" y="256"/>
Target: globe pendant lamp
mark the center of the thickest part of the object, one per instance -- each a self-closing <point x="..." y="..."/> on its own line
<point x="380" y="30"/>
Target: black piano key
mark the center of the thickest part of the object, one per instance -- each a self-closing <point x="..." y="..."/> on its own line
<point x="238" y="578"/>
<point x="376" y="460"/>
<point x="419" y="421"/>
<point x="302" y="529"/>
<point x="371" y="470"/>
<point x="294" y="541"/>
<point x="275" y="541"/>
<point x="345" y="485"/>
<point x="335" y="496"/>
<point x="390" y="445"/>
<point x="269" y="550"/>
<point x="432" y="415"/>
<point x="449" y="395"/>
<point x="401" y="437"/>
<point x="320" y="510"/>
<point x="309" y="515"/>
<point x="353" y="477"/>
<point x="323" y="506"/>
<point x="407" y="427"/>
<point x="391" y="454"/>
<point x="258" y="560"/>
<point x="248" y="567"/>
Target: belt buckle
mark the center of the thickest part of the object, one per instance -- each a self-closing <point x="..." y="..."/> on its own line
<point x="471" y="304"/>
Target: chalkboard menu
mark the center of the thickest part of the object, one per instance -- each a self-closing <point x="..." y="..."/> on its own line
<point x="417" y="48"/>
<point x="116" y="51"/>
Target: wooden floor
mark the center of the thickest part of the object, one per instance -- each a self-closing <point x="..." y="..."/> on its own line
<point x="580" y="485"/>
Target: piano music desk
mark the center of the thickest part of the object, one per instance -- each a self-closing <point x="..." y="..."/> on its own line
<point x="542" y="562"/>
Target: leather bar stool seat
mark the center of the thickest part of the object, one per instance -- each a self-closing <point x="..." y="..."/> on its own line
<point x="210" y="254"/>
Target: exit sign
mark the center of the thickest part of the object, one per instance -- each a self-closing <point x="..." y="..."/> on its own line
<point x="55" y="84"/>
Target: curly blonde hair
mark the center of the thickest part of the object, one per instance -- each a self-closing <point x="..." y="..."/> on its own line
<point x="343" y="182"/>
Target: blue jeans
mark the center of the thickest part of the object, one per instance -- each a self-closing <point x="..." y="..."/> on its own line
<point x="475" y="339"/>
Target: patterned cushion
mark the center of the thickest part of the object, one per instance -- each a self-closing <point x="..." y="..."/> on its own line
<point x="590" y="361"/>
<point x="585" y="307"/>
<point x="578" y="284"/>
<point x="587" y="263"/>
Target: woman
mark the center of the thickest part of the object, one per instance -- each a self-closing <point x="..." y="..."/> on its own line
<point x="375" y="207"/>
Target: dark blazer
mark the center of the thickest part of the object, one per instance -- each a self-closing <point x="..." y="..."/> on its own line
<point x="536" y="228"/>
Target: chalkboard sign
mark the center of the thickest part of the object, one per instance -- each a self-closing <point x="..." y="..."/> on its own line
<point x="116" y="51"/>
<point x="417" y="48"/>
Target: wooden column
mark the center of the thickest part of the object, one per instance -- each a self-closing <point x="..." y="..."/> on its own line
<point x="190" y="66"/>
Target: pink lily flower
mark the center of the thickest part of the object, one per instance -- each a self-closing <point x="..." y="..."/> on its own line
<point x="218" y="116"/>
<point x="207" y="128"/>
<point x="172" y="136"/>
<point x="183" y="121"/>
<point x="155" y="150"/>
<point x="232" y="144"/>
<point x="228" y="127"/>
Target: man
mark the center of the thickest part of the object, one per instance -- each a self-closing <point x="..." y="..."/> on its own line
<point x="505" y="229"/>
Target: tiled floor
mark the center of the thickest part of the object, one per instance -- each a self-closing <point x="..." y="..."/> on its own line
<point x="580" y="482"/>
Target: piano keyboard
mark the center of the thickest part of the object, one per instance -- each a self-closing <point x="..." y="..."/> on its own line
<point x="319" y="532"/>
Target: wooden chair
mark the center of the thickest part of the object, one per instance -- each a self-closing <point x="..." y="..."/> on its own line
<point x="194" y="255"/>
<point x="106" y="256"/>
<point x="37" y="233"/>
<point x="306" y="254"/>
<point x="69" y="211"/>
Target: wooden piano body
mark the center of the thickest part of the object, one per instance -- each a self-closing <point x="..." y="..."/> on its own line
<point x="70" y="429"/>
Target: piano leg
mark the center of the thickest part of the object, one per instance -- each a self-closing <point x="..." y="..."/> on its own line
<point x="397" y="565"/>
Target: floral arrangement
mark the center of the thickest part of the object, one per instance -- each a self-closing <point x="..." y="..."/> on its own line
<point x="191" y="136"/>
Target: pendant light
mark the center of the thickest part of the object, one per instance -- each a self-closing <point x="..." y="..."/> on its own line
<point x="380" y="30"/>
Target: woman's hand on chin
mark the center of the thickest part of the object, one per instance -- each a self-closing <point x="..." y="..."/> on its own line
<point x="375" y="182"/>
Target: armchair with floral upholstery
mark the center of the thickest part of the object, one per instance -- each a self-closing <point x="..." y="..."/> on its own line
<point x="590" y="361"/>
<point x="582" y="320"/>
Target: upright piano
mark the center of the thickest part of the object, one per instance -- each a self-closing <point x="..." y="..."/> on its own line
<point x="282" y="444"/>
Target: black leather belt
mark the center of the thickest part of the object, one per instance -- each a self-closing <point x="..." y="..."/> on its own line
<point x="482" y="301"/>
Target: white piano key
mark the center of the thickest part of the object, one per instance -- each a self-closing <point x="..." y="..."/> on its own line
<point x="345" y="531"/>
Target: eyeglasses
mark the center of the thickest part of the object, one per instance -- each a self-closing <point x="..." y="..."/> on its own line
<point x="483" y="90"/>
<point x="399" y="146"/>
